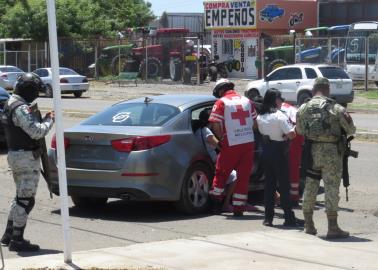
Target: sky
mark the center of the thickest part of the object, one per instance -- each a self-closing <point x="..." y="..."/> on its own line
<point x="159" y="6"/>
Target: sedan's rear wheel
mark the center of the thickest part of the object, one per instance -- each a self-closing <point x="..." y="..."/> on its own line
<point x="195" y="189"/>
<point x="87" y="202"/>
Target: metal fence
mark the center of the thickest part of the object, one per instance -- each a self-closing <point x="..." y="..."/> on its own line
<point x="320" y="50"/>
<point x="164" y="56"/>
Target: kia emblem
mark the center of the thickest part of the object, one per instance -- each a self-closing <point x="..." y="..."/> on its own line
<point x="88" y="139"/>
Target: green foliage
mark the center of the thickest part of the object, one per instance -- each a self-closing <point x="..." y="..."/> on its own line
<point x="371" y="94"/>
<point x="164" y="20"/>
<point x="75" y="18"/>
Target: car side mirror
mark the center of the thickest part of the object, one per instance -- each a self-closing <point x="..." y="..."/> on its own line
<point x="266" y="78"/>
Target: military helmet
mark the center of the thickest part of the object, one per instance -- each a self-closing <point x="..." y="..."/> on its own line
<point x="222" y="84"/>
<point x="28" y="86"/>
<point x="321" y="82"/>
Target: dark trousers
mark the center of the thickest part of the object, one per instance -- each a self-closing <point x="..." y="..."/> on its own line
<point x="276" y="168"/>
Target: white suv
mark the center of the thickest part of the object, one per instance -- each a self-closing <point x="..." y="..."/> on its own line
<point x="296" y="81"/>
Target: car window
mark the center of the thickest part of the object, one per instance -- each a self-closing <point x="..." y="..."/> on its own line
<point x="67" y="71"/>
<point x="41" y="72"/>
<point x="195" y="116"/>
<point x="333" y="73"/>
<point x="278" y="75"/>
<point x="134" y="114"/>
<point x="310" y="73"/>
<point x="10" y="69"/>
<point x="293" y="74"/>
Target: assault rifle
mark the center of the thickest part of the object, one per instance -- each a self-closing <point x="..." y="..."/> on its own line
<point x="348" y="153"/>
<point x="42" y="150"/>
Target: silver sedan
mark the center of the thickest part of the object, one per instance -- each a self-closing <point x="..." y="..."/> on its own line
<point x="71" y="82"/>
<point x="141" y="149"/>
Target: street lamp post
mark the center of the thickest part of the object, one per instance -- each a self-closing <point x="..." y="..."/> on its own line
<point x="120" y="36"/>
<point x="293" y="33"/>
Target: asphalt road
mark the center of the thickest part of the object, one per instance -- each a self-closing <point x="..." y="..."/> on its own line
<point x="121" y="223"/>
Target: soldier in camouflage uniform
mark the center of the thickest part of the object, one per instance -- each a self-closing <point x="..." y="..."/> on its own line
<point x="321" y="120"/>
<point x="23" y="130"/>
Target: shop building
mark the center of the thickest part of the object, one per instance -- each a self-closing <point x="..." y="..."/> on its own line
<point x="237" y="28"/>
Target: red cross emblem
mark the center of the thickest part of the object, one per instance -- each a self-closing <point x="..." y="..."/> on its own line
<point x="240" y="115"/>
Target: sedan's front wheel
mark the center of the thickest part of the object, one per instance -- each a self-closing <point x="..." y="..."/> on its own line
<point x="86" y="202"/>
<point x="195" y="189"/>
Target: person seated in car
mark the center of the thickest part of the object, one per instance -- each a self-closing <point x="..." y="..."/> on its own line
<point x="210" y="142"/>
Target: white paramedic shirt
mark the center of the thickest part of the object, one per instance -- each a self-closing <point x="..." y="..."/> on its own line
<point x="275" y="125"/>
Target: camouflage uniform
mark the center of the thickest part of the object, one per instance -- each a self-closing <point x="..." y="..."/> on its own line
<point x="322" y="121"/>
<point x="25" y="168"/>
<point x="326" y="152"/>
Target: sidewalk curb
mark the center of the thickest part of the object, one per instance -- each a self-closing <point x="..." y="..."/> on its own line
<point x="262" y="249"/>
<point x="366" y="135"/>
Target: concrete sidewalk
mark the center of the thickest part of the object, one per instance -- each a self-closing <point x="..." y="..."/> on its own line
<point x="265" y="249"/>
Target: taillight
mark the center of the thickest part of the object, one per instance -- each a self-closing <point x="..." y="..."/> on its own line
<point x="139" y="143"/>
<point x="85" y="80"/>
<point x="63" y="80"/>
<point x="53" y="142"/>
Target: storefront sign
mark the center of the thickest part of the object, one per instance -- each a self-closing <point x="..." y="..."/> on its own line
<point x="295" y="14"/>
<point x="230" y="14"/>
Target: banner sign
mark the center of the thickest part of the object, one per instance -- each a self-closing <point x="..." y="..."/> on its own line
<point x="238" y="50"/>
<point x="295" y="14"/>
<point x="230" y="14"/>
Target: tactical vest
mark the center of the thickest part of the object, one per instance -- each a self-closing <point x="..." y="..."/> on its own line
<point x="17" y="138"/>
<point x="320" y="122"/>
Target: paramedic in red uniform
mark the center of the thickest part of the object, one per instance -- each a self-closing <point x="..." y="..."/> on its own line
<point x="233" y="119"/>
<point x="295" y="151"/>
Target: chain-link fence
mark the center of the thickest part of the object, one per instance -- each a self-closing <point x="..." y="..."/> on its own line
<point x="154" y="56"/>
<point x="319" y="50"/>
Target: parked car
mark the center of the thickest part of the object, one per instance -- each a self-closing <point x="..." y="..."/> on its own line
<point x="142" y="150"/>
<point x="70" y="81"/>
<point x="296" y="82"/>
<point x="8" y="76"/>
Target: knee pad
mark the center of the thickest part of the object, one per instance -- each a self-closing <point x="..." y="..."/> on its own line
<point x="28" y="206"/>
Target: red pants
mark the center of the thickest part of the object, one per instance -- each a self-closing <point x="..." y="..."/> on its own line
<point x="239" y="158"/>
<point x="295" y="156"/>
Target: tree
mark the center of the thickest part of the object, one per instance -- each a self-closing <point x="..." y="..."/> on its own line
<point x="164" y="20"/>
<point x="75" y="18"/>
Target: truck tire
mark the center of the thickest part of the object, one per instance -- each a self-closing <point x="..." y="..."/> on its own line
<point x="114" y="65"/>
<point x="213" y="73"/>
<point x="187" y="76"/>
<point x="303" y="96"/>
<point x="276" y="64"/>
<point x="175" y="69"/>
<point x="154" y="68"/>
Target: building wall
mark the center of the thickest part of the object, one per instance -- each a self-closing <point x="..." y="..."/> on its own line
<point x="338" y="12"/>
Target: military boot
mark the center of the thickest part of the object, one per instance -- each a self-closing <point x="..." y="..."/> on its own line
<point x="19" y="244"/>
<point x="334" y="231"/>
<point x="309" y="226"/>
<point x="7" y="234"/>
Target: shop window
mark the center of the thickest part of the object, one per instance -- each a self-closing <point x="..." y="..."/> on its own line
<point x="371" y="11"/>
<point x="228" y="46"/>
<point x="355" y="12"/>
<point x="340" y="12"/>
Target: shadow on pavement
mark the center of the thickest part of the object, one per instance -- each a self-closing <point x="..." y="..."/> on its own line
<point x="350" y="239"/>
<point x="119" y="210"/>
<point x="38" y="253"/>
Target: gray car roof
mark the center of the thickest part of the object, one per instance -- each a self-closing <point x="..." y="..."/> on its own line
<point x="181" y="101"/>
